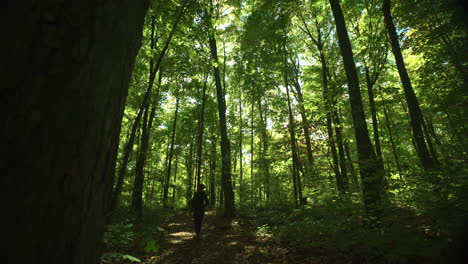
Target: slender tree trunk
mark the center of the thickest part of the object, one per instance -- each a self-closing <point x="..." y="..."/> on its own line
<point x="137" y="199"/>
<point x="213" y="171"/>
<point x="225" y="144"/>
<point x="370" y="92"/>
<point x="241" y="156"/>
<point x="305" y="126"/>
<point x="153" y="70"/>
<point x="174" y="182"/>
<point x="292" y="133"/>
<point x="201" y="126"/>
<point x="189" y="167"/>
<point x="328" y="106"/>
<point x="371" y="168"/>
<point x="390" y="136"/>
<point x="252" y="152"/>
<point x="171" y="153"/>
<point x="63" y="94"/>
<point x="427" y="161"/>
<point x="342" y="159"/>
<point x="265" y="159"/>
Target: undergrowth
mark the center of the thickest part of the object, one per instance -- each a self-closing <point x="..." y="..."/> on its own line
<point x="123" y="239"/>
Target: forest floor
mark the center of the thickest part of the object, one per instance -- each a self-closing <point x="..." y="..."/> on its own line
<point x="224" y="241"/>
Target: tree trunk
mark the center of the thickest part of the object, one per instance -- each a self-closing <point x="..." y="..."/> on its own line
<point x="390" y="136"/>
<point x="342" y="159"/>
<point x="265" y="159"/>
<point x="292" y="133"/>
<point x="63" y="95"/>
<point x="201" y="126"/>
<point x="189" y="166"/>
<point x="252" y="151"/>
<point x="212" y="171"/>
<point x="241" y="156"/>
<point x="137" y="199"/>
<point x="370" y="92"/>
<point x="154" y="68"/>
<point x="371" y="168"/>
<point x="305" y="126"/>
<point x="225" y="144"/>
<point x="171" y="153"/>
<point x="416" y="120"/>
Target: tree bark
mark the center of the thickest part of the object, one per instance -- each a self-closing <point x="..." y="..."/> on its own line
<point x="201" y="126"/>
<point x="171" y="154"/>
<point x="416" y="120"/>
<point x="62" y="98"/>
<point x="137" y="199"/>
<point x="225" y="144"/>
<point x="370" y="167"/>
<point x="370" y="92"/>
<point x="154" y="68"/>
<point x="292" y="133"/>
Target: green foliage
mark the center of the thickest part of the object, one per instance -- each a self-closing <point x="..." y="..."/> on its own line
<point x="342" y="230"/>
<point x="119" y="237"/>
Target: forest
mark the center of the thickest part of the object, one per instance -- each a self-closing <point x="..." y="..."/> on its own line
<point x="324" y="131"/>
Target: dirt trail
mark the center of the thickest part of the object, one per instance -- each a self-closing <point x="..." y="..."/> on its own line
<point x="222" y="241"/>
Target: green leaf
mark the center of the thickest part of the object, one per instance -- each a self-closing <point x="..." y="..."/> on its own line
<point x="151" y="246"/>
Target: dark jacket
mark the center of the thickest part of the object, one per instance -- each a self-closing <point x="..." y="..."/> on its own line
<point x="199" y="202"/>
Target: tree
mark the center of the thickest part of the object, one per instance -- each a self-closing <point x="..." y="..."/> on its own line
<point x="416" y="117"/>
<point x="370" y="167"/>
<point x="62" y="124"/>
<point x="225" y="144"/>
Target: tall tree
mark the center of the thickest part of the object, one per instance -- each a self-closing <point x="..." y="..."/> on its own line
<point x="370" y="167"/>
<point x="416" y="118"/>
<point x="228" y="192"/>
<point x="137" y="194"/>
<point x="61" y="123"/>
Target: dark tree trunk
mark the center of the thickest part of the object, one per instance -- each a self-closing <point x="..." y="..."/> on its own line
<point x="189" y="166"/>
<point x="292" y="133"/>
<point x="342" y="159"/>
<point x="171" y="154"/>
<point x="265" y="159"/>
<point x="305" y="126"/>
<point x="62" y="99"/>
<point x="416" y="120"/>
<point x="371" y="168"/>
<point x="328" y="104"/>
<point x="201" y="126"/>
<point x="370" y="92"/>
<point x="225" y="144"/>
<point x="390" y="136"/>
<point x="212" y="171"/>
<point x="241" y="167"/>
<point x="137" y="194"/>
<point x="154" y="68"/>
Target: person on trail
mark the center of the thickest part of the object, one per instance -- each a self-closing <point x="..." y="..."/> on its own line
<point x="199" y="202"/>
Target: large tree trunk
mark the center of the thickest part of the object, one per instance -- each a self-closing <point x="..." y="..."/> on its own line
<point x="63" y="94"/>
<point x="371" y="168"/>
<point x="226" y="184"/>
<point x="416" y="120"/>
